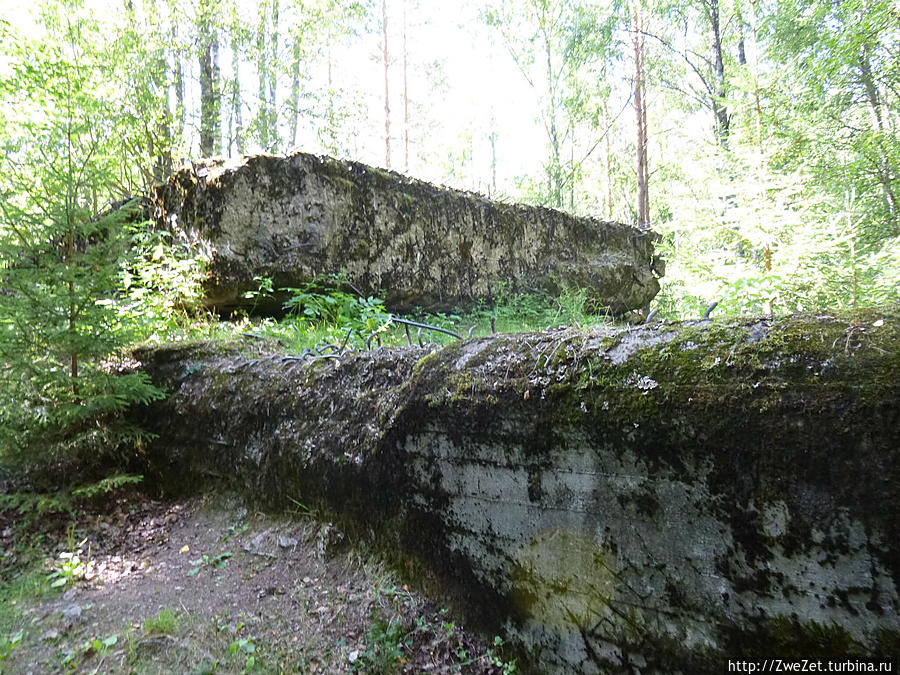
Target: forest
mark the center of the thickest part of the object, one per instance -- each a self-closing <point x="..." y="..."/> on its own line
<point x="759" y="139"/>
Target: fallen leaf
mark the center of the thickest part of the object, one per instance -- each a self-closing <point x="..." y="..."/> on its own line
<point x="184" y="549"/>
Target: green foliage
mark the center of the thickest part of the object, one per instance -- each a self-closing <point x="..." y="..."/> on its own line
<point x="10" y="642"/>
<point x="60" y="329"/>
<point x="320" y="302"/>
<point x="764" y="243"/>
<point x="71" y="565"/>
<point x="164" y="623"/>
<point x="69" y="569"/>
<point x="387" y="643"/>
<point x="62" y="320"/>
<point x="242" y="646"/>
<point x="36" y="505"/>
<point x="506" y="667"/>
<point x="161" y="285"/>
<point x="322" y="312"/>
<point x="391" y="643"/>
<point x="516" y="311"/>
<point x="92" y="647"/>
<point x="213" y="562"/>
<point x="841" y="78"/>
<point x="31" y="507"/>
<point x="106" y="485"/>
<point x="324" y="317"/>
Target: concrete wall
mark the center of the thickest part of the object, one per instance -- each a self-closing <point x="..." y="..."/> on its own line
<point x="409" y="242"/>
<point x="653" y="499"/>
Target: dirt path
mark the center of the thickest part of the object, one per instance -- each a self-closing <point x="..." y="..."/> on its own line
<point x="209" y="586"/>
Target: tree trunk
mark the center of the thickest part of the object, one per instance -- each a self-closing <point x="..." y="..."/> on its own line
<point x="69" y="254"/>
<point x="73" y="309"/>
<point x="640" y="108"/>
<point x="272" y="105"/>
<point x="261" y="75"/>
<point x="295" y="90"/>
<point x="236" y="102"/>
<point x="884" y="168"/>
<point x="162" y="166"/>
<point x="572" y="169"/>
<point x="608" y="162"/>
<point x="210" y="124"/>
<point x="742" y="50"/>
<point x="332" y="129"/>
<point x="405" y="98"/>
<point x="554" y="175"/>
<point x="387" y="99"/>
<point x="756" y="97"/>
<point x="720" y="110"/>
<point x="493" y="140"/>
<point x="179" y="88"/>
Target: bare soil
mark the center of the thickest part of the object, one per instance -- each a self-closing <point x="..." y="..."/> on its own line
<point x="208" y="585"/>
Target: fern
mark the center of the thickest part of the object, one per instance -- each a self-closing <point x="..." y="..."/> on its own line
<point x="105" y="486"/>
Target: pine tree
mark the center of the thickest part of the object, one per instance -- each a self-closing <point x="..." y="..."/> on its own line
<point x="61" y="323"/>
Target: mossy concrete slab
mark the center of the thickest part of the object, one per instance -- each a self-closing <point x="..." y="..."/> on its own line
<point x="656" y="498"/>
<point x="414" y="244"/>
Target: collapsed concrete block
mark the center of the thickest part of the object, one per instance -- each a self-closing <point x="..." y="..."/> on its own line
<point x="665" y="496"/>
<point x="415" y="245"/>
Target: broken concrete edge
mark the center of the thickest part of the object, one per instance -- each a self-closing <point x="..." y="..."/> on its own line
<point x="293" y="219"/>
<point x="753" y="417"/>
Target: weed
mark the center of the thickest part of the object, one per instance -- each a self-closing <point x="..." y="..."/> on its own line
<point x="165" y="623"/>
<point x="235" y="531"/>
<point x="71" y="567"/>
<point x="33" y="506"/>
<point x="16" y="590"/>
<point x="9" y="642"/>
<point x="506" y="667"/>
<point x="94" y="646"/>
<point x="388" y="641"/>
<point x="242" y="645"/>
<point x="264" y="289"/>
<point x="321" y="303"/>
<point x="106" y="486"/>
<point x="215" y="562"/>
<point x="206" y="668"/>
<point x="319" y="315"/>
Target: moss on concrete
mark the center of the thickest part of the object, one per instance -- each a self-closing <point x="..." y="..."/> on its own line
<point x="659" y="493"/>
<point x="415" y="244"/>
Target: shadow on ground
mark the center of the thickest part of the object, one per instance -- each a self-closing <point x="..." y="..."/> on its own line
<point x="208" y="586"/>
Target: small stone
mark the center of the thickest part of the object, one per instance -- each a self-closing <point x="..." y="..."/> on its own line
<point x="257" y="541"/>
<point x="328" y="540"/>
<point x="286" y="542"/>
<point x="72" y="613"/>
<point x="353" y="656"/>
